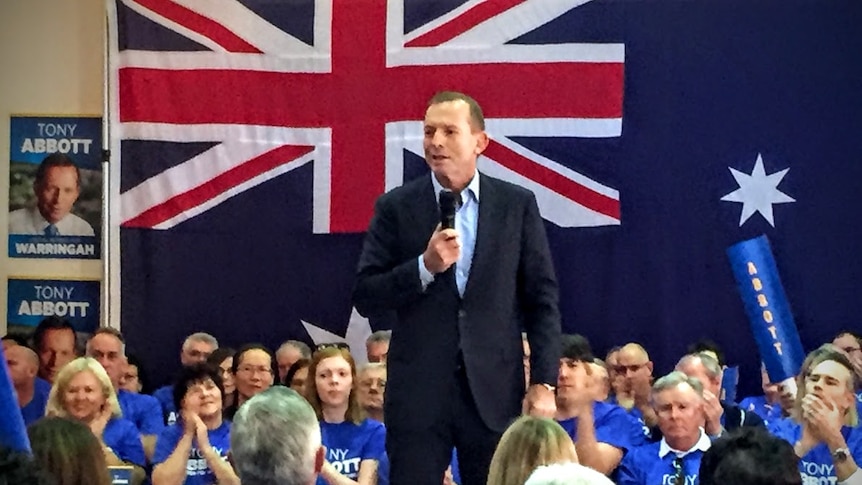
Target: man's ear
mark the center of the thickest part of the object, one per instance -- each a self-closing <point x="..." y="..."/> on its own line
<point x="649" y="366"/>
<point x="319" y="458"/>
<point x="482" y="141"/>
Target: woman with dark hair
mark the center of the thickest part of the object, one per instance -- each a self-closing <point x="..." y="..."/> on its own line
<point x="297" y="374"/>
<point x="194" y="450"/>
<point x="824" y="425"/>
<point x="254" y="370"/>
<point x="67" y="450"/>
<point x="222" y="358"/>
<point x="354" y="444"/>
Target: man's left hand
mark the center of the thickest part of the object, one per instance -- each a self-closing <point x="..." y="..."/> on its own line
<point x="540" y="401"/>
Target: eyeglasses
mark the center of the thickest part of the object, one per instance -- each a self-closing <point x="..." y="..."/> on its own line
<point x="850" y="350"/>
<point x="247" y="369"/>
<point x="679" y="472"/>
<point x="332" y="345"/>
<point x="624" y="369"/>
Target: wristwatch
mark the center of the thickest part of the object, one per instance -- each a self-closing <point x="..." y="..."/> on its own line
<point x="840" y="455"/>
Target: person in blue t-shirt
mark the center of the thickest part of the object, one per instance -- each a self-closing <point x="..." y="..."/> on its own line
<point x="83" y="391"/>
<point x="196" y="349"/>
<point x="194" y="451"/>
<point x="824" y="425"/>
<point x="32" y="392"/>
<point x="678" y="403"/>
<point x="767" y="406"/>
<point x="354" y="443"/>
<point x="602" y="432"/>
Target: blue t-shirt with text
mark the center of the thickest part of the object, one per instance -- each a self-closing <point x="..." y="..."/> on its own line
<point x="198" y="471"/>
<point x="817" y="466"/>
<point x="643" y="466"/>
<point x="165" y="396"/>
<point x="347" y="444"/>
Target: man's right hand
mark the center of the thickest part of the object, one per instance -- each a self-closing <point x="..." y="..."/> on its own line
<point x="444" y="248"/>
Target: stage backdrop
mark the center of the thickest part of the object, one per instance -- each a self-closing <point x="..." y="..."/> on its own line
<point x="252" y="138"/>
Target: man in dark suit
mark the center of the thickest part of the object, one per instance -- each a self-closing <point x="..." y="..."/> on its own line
<point x="462" y="297"/>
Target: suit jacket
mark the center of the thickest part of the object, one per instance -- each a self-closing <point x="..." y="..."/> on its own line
<point x="511" y="287"/>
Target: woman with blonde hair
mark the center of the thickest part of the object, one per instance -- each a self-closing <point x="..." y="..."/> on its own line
<point x="824" y="428"/>
<point x="83" y="391"/>
<point x="528" y="443"/>
<point x="354" y="443"/>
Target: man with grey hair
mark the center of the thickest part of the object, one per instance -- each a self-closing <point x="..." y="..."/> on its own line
<point x="377" y="345"/>
<point x="678" y="403"/>
<point x="370" y="388"/>
<point x="720" y="416"/>
<point x="288" y="353"/>
<point x="195" y="350"/>
<point x="275" y="440"/>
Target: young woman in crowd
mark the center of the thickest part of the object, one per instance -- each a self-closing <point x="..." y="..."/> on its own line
<point x="824" y="429"/>
<point x="67" y="450"/>
<point x="194" y="450"/>
<point x="83" y="391"/>
<point x="528" y="443"/>
<point x="254" y="370"/>
<point x="222" y="358"/>
<point x="354" y="443"/>
<point x="296" y="375"/>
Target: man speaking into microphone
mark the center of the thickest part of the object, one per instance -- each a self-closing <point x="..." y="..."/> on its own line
<point x="463" y="260"/>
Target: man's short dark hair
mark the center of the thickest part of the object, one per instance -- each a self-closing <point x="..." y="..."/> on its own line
<point x="18" y="339"/>
<point x="576" y="347"/>
<point x="193" y="374"/>
<point x="707" y="345"/>
<point x="56" y="160"/>
<point x="750" y="456"/>
<point x="856" y="335"/>
<point x="477" y="119"/>
<point x="49" y="323"/>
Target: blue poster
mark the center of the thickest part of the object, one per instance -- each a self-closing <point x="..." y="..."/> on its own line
<point x="30" y="301"/>
<point x="55" y="187"/>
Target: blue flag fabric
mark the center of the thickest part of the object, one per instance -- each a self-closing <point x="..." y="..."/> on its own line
<point x="247" y="178"/>
<point x="767" y="308"/>
<point x="13" y="433"/>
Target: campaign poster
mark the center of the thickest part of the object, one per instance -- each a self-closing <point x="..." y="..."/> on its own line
<point x="55" y="187"/>
<point x="30" y="301"/>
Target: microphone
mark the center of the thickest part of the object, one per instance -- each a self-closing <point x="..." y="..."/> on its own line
<point x="449" y="203"/>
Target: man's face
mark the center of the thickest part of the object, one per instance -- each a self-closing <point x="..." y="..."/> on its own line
<point x="22" y="369"/>
<point x="57" y="193"/>
<point x="108" y="350"/>
<point x="635" y="370"/>
<point x="694" y="368"/>
<point x="195" y="352"/>
<point x="286" y="358"/>
<point x="572" y="379"/>
<point x="130" y="380"/>
<point x="58" y="349"/>
<point x="829" y="380"/>
<point x="451" y="143"/>
<point x="680" y="414"/>
<point x="850" y="346"/>
<point x="377" y="351"/>
<point x="372" y="384"/>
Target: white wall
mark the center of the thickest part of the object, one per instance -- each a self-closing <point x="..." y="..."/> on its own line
<point x="51" y="63"/>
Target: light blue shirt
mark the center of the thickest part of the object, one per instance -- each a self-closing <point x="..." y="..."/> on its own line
<point x="466" y="222"/>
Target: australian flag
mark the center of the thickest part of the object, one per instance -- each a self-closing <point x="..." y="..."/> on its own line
<point x="254" y="136"/>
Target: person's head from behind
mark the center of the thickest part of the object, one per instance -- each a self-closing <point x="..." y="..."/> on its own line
<point x="331" y="383"/>
<point x="377" y="346"/>
<point x="54" y="342"/>
<point x="254" y="370"/>
<point x="275" y="440"/>
<point x="57" y="187"/>
<point x="454" y="138"/>
<point x="18" y="467"/>
<point x="529" y="442"/>
<point x="68" y="451"/>
<point x="750" y="456"/>
<point x="198" y="391"/>
<point x="566" y="474"/>
<point x="678" y="403"/>
<point x="82" y="391"/>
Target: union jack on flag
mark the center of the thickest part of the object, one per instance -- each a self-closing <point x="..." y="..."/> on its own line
<point x="263" y="88"/>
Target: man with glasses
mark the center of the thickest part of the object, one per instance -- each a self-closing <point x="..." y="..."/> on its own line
<point x="195" y="350"/>
<point x="635" y="369"/>
<point x="675" y="460"/>
<point x="371" y="384"/>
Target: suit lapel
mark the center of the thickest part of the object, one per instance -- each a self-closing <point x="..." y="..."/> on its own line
<point x="488" y="226"/>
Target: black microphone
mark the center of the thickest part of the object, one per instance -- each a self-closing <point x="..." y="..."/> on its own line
<point x="449" y="203"/>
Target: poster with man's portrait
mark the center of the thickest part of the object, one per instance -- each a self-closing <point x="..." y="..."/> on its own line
<point x="55" y="187"/>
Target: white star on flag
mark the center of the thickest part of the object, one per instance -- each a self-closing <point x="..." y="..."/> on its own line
<point x="757" y="192"/>
<point x="358" y="331"/>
